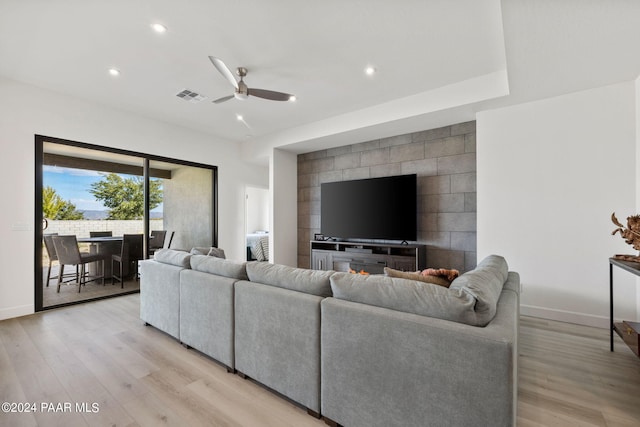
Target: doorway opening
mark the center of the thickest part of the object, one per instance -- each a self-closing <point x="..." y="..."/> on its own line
<point x="257" y="223"/>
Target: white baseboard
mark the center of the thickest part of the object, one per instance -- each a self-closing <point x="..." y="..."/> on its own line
<point x="11" y="312"/>
<point x="565" y="316"/>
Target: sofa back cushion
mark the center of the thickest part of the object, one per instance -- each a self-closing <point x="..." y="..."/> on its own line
<point x="219" y="266"/>
<point x="471" y="298"/>
<point x="314" y="282"/>
<point x="173" y="257"/>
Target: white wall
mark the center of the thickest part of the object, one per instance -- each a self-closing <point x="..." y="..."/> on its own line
<point x="549" y="175"/>
<point x="283" y="185"/>
<point x="27" y="110"/>
<point x="257" y="209"/>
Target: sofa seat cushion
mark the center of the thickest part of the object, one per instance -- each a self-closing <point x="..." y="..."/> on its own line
<point x="314" y="282"/>
<point x="219" y="266"/>
<point x="471" y="298"/>
<point x="173" y="257"/>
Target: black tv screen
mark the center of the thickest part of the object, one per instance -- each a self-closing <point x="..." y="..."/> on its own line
<point x="375" y="208"/>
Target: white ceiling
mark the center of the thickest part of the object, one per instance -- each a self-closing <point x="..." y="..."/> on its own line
<point x="438" y="61"/>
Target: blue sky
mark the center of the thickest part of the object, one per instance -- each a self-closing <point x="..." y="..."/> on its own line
<point x="74" y="184"/>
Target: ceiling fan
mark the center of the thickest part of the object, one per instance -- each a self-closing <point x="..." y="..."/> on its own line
<point x="241" y="89"/>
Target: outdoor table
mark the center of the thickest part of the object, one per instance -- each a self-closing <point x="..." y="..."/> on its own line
<point x="106" y="246"/>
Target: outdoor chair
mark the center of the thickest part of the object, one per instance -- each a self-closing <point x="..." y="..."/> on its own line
<point x="69" y="254"/>
<point x="130" y="254"/>
<point x="156" y="241"/>
<point x="51" y="253"/>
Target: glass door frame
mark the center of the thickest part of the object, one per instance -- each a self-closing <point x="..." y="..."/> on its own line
<point x="146" y="158"/>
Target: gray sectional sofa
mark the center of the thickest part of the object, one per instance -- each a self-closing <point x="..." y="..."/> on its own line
<point x="357" y="350"/>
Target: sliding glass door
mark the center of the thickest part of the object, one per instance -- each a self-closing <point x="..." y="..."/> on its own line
<point x="99" y="195"/>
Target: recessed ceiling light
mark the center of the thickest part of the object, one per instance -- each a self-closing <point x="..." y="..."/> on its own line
<point x="239" y="117"/>
<point x="370" y="71"/>
<point x="114" y="72"/>
<point x="159" y="28"/>
<point x="292" y="98"/>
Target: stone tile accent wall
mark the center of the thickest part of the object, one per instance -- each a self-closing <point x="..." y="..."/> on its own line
<point x="444" y="160"/>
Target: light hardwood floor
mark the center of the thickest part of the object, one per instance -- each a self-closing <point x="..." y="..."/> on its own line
<point x="101" y="352"/>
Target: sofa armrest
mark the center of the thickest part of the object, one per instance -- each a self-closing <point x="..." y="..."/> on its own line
<point x="160" y="296"/>
<point x="379" y="366"/>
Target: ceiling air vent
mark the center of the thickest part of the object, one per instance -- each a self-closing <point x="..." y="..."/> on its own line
<point x="190" y="96"/>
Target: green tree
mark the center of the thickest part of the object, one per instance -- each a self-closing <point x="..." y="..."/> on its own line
<point x="53" y="207"/>
<point x="125" y="196"/>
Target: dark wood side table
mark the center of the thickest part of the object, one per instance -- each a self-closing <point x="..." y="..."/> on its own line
<point x="628" y="331"/>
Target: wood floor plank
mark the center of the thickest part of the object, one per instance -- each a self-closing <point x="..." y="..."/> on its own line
<point x="87" y="395"/>
<point x="11" y="391"/>
<point x="170" y="387"/>
<point x="143" y="377"/>
<point x="39" y="383"/>
<point x="122" y="385"/>
<point x="150" y="410"/>
<point x="568" y="376"/>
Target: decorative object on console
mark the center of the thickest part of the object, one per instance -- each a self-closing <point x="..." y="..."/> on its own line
<point x="630" y="234"/>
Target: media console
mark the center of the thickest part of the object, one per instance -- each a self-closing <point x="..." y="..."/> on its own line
<point x="369" y="257"/>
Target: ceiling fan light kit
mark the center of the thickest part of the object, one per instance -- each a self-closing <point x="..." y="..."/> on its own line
<point x="242" y="91"/>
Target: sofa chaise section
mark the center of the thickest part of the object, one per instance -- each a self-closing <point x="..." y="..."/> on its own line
<point x="207" y="306"/>
<point x="277" y="329"/>
<point x="383" y="366"/>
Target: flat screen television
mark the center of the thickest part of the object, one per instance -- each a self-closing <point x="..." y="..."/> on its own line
<point x="376" y="208"/>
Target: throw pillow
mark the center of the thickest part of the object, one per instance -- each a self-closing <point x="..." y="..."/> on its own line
<point x="416" y="275"/>
<point x="216" y="252"/>
<point x="199" y="251"/>
<point x="450" y="275"/>
<point x="260" y="249"/>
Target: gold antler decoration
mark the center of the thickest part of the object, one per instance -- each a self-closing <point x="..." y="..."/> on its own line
<point x="630" y="234"/>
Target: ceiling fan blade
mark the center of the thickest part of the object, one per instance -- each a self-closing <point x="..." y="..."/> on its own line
<point x="269" y="94"/>
<point x="224" y="70"/>
<point x="223" y="99"/>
